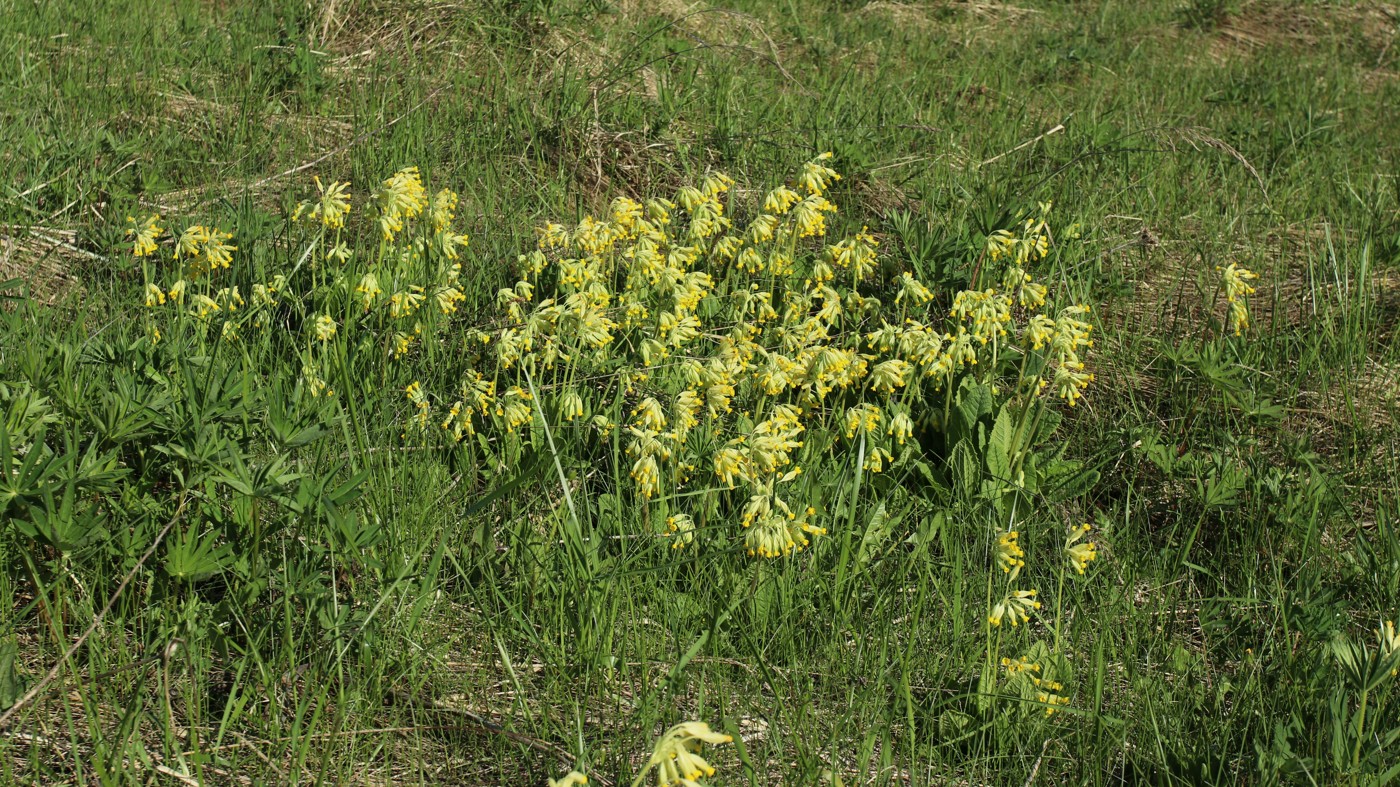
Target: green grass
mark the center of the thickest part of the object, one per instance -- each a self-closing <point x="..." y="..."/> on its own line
<point x="380" y="610"/>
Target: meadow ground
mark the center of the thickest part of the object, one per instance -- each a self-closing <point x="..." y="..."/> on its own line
<point x="242" y="543"/>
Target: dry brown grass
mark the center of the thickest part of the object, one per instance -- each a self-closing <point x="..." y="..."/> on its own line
<point x="41" y="258"/>
<point x="1269" y="24"/>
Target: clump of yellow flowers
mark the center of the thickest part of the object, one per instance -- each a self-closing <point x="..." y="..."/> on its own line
<point x="1235" y="281"/>
<point x="708" y="335"/>
<point x="676" y="758"/>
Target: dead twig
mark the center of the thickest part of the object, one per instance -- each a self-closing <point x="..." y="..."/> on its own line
<point x="52" y="674"/>
<point x="1057" y="129"/>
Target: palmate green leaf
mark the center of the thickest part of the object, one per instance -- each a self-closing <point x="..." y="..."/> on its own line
<point x="25" y="411"/>
<point x="192" y="557"/>
<point x="267" y="480"/>
<point x="66" y="525"/>
<point x="27" y="479"/>
<point x="1363" y="669"/>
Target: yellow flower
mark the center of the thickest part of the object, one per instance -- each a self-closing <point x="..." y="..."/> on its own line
<point x="1049" y="694"/>
<point x="552" y="236"/>
<point x="444" y="209"/>
<point x="448" y="298"/>
<point x="687" y="411"/>
<point x="406" y="302"/>
<point x="399" y="197"/>
<point x="1040" y="330"/>
<point x="325" y="327"/>
<point x="647" y="474"/>
<point x="570" y="405"/>
<point x="682" y="528"/>
<point x="229" y="298"/>
<point x="876" y="459"/>
<point x="201" y="306"/>
<point x="263" y="295"/>
<point x="339" y="253"/>
<point x="1389" y="641"/>
<point x="676" y="756"/>
<point x="1071" y="335"/>
<point x="1021" y="664"/>
<point x="314" y="384"/>
<point x="218" y="253"/>
<point x="816" y="176"/>
<point x="144" y="235"/>
<point x="1080" y="553"/>
<point x="571" y="779"/>
<point x="191" y="241"/>
<point x="368" y="290"/>
<point x="1070" y="384"/>
<point x="914" y="290"/>
<point x="176" y="292"/>
<point x="514" y="407"/>
<point x="1235" y="281"/>
<point x="862" y="418"/>
<point x="154" y="297"/>
<point x="1016" y="606"/>
<point x="780" y="200"/>
<point x="889" y="375"/>
<point x="901" y="426"/>
<point x="729" y="465"/>
<point x="650" y="415"/>
<point x="999" y="243"/>
<point x="1009" y="554"/>
<point x="330" y="207"/>
<point x="419" y="398"/>
<point x="715" y="184"/>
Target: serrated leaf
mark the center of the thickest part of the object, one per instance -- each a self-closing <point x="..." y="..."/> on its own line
<point x="876" y="532"/>
<point x="952" y="723"/>
<point x="966" y="470"/>
<point x="1000" y="446"/>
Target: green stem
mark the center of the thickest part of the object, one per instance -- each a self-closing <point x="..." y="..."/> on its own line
<point x="1360" y="735"/>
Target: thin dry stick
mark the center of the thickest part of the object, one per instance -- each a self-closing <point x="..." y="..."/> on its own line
<point x="52" y="675"/>
<point x="1057" y="129"/>
<point x="1035" y="769"/>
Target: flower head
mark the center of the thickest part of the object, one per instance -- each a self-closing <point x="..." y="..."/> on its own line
<point x="144" y="235"/>
<point x="1009" y="554"/>
<point x="571" y="779"/>
<point x="325" y="327"/>
<point x="330" y="206"/>
<point x="1235" y="281"/>
<point x="1016" y="606"/>
<point x="682" y="528"/>
<point x="1080" y="552"/>
<point x="676" y="755"/>
<point x="398" y="198"/>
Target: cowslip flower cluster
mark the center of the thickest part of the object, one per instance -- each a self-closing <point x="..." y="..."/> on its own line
<point x="716" y="333"/>
<point x="1234" y="280"/>
<point x="1079" y="552"/>
<point x="676" y="759"/>
<point x="725" y="337"/>
<point x="1014" y="607"/>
